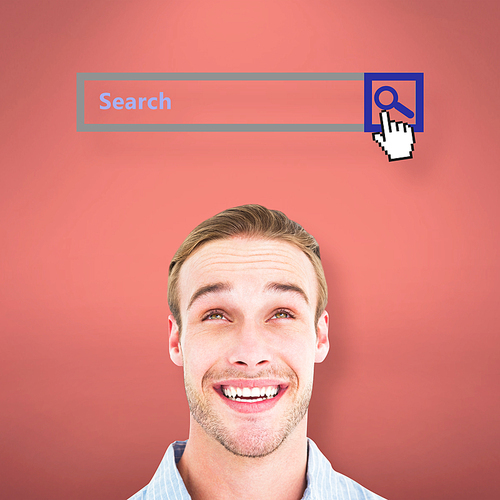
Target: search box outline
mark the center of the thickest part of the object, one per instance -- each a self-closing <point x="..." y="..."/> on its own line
<point x="81" y="126"/>
<point x="367" y="126"/>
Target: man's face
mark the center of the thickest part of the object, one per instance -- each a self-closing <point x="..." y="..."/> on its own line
<point x="249" y="342"/>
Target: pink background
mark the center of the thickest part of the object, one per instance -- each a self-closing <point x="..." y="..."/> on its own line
<point x="407" y="401"/>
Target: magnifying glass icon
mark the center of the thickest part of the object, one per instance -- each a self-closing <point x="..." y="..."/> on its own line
<point x="394" y="104"/>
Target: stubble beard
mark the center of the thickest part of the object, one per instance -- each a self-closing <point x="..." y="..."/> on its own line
<point x="252" y="440"/>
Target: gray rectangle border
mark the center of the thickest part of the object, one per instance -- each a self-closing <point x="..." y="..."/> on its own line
<point x="81" y="126"/>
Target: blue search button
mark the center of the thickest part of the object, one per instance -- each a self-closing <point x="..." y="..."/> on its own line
<point x="369" y="78"/>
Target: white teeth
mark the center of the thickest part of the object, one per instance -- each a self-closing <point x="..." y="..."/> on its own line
<point x="245" y="393"/>
<point x="271" y="391"/>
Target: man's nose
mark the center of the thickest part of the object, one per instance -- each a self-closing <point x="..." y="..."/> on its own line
<point x="250" y="346"/>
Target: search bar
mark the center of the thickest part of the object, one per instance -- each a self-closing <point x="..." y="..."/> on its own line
<point x="223" y="102"/>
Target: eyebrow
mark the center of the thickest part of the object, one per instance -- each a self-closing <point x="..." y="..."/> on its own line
<point x="224" y="287"/>
<point x="286" y="287"/>
<point x="208" y="289"/>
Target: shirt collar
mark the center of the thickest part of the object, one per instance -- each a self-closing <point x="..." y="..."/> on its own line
<point x="315" y="462"/>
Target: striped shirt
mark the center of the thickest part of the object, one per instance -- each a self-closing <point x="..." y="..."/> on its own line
<point x="323" y="483"/>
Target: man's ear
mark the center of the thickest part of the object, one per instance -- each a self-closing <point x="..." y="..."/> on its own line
<point x="322" y="342"/>
<point x="174" y="344"/>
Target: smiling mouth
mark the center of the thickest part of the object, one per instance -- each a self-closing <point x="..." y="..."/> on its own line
<point x="250" y="394"/>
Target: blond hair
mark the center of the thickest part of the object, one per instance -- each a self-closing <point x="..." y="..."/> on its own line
<point x="252" y="221"/>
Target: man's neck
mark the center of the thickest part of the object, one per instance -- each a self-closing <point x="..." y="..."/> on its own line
<point x="210" y="472"/>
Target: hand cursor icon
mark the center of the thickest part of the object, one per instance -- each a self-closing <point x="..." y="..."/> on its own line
<point x="397" y="138"/>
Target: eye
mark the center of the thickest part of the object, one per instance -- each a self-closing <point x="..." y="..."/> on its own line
<point x="283" y="315"/>
<point x="214" y="315"/>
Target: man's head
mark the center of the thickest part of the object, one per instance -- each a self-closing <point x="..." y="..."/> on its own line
<point x="249" y="289"/>
<point x="251" y="221"/>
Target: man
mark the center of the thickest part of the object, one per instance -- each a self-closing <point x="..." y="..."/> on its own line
<point x="248" y="294"/>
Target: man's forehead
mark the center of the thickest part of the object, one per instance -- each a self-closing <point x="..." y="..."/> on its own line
<point x="257" y="258"/>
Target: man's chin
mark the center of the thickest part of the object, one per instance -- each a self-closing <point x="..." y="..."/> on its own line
<point x="251" y="445"/>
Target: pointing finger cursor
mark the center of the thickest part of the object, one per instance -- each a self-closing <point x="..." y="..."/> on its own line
<point x="396" y="139"/>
